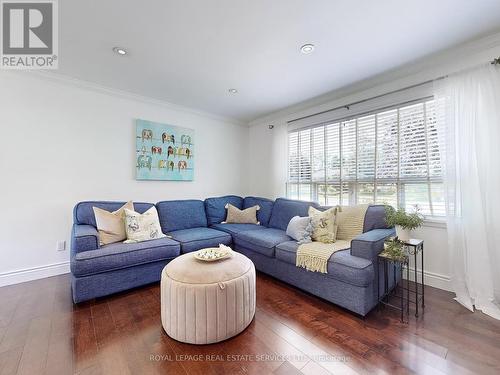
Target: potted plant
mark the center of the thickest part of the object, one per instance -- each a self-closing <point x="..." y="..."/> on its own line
<point x="402" y="221"/>
<point x="394" y="248"/>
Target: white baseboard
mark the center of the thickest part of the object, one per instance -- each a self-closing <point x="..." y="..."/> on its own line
<point x="433" y="279"/>
<point x="29" y="274"/>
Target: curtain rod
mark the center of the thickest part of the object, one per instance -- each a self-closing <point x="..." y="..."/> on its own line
<point x="495" y="61"/>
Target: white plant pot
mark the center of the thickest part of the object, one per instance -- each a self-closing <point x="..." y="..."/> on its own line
<point x="403" y="234"/>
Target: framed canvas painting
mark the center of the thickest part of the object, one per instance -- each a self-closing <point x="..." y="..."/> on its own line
<point x="164" y="152"/>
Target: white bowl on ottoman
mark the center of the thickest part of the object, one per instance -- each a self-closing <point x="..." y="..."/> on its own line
<point x="207" y="302"/>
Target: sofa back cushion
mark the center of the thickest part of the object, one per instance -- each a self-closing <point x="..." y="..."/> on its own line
<point x="83" y="213"/>
<point x="284" y="209"/>
<point x="181" y="214"/>
<point x="216" y="207"/>
<point x="375" y="218"/>
<point x="266" y="206"/>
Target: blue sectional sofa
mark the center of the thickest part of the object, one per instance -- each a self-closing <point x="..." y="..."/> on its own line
<point x="352" y="278"/>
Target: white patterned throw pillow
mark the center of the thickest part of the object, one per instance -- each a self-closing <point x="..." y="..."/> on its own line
<point x="142" y="227"/>
<point x="324" y="225"/>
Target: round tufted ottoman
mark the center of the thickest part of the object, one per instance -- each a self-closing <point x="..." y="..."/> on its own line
<point x="207" y="302"/>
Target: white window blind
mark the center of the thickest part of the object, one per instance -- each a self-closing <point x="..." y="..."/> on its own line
<point x="392" y="156"/>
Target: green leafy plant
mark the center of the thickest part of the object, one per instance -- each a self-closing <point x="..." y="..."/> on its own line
<point x="394" y="248"/>
<point x="399" y="217"/>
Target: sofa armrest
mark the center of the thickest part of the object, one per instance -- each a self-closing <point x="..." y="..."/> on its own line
<point x="369" y="244"/>
<point x="84" y="238"/>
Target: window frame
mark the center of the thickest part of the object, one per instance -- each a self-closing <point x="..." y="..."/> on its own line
<point x="354" y="184"/>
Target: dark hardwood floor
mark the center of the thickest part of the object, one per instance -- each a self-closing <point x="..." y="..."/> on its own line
<point x="42" y="332"/>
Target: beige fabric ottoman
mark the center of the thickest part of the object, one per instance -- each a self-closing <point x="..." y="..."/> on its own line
<point x="207" y="302"/>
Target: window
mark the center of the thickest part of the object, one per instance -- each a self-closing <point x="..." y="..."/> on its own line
<point x="392" y="157"/>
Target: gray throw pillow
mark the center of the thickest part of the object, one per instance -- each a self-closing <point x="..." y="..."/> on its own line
<point x="300" y="229"/>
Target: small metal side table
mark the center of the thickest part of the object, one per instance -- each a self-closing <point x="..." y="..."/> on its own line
<point x="413" y="248"/>
<point x="399" y="264"/>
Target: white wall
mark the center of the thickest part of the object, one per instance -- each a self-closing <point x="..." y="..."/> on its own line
<point x="64" y="142"/>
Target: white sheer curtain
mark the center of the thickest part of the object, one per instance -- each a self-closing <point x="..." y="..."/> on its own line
<point x="469" y="113"/>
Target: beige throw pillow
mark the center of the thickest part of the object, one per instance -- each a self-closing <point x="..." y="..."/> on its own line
<point x="350" y="221"/>
<point x="324" y="226"/>
<point x="142" y="227"/>
<point x="111" y="225"/>
<point x="246" y="216"/>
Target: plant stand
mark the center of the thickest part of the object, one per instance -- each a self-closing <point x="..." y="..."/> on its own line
<point x="415" y="247"/>
<point x="401" y="291"/>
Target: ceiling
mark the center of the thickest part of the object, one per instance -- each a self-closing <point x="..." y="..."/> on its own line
<point x="190" y="52"/>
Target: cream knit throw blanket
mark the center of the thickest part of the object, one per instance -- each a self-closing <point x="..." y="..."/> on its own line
<point x="313" y="256"/>
<point x="350" y="221"/>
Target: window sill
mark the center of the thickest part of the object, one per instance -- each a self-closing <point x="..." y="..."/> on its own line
<point x="435" y="223"/>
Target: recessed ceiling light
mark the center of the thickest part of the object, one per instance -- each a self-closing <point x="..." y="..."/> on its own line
<point x="307" y="48"/>
<point x="233" y="91"/>
<point x="120" y="51"/>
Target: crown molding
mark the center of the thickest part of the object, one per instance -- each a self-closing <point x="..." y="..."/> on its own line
<point x="87" y="85"/>
<point x="429" y="67"/>
<point x="441" y="63"/>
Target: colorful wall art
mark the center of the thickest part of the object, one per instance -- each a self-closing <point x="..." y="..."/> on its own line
<point x="164" y="152"/>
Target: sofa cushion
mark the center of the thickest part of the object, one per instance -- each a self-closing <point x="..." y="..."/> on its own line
<point x="237" y="216"/>
<point x="323" y="224"/>
<point x="236" y="228"/>
<point x="262" y="241"/>
<point x="285" y="209"/>
<point x="375" y="218"/>
<point x="266" y="206"/>
<point x="142" y="227"/>
<point x="119" y="255"/>
<point x="181" y="214"/>
<point x="83" y="213"/>
<point x="341" y="265"/>
<point x="216" y="207"/>
<point x="300" y="229"/>
<point x="111" y="225"/>
<point x="199" y="238"/>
